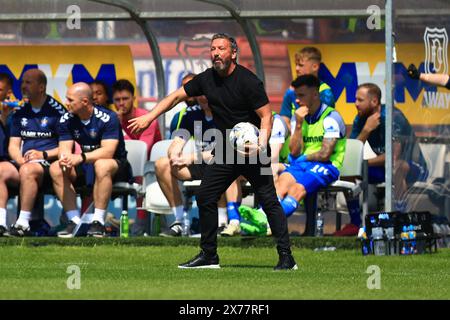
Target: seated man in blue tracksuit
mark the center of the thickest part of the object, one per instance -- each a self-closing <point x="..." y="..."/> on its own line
<point x="409" y="163"/>
<point x="102" y="162"/>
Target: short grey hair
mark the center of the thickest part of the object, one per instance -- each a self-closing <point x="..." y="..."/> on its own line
<point x="232" y="41"/>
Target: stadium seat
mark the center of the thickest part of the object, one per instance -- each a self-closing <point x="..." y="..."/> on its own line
<point x="372" y="190"/>
<point x="154" y="200"/>
<point x="354" y="167"/>
<point x="435" y="157"/>
<point x="137" y="156"/>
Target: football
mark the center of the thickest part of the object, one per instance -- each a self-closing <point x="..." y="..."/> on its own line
<point x="242" y="134"/>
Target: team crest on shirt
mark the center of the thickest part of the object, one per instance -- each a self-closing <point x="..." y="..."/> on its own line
<point x="93" y="133"/>
<point x="44" y="122"/>
<point x="24" y="122"/>
<point x="76" y="134"/>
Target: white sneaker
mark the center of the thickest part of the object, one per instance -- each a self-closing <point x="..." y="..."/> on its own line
<point x="269" y="231"/>
<point x="232" y="229"/>
<point x="175" y="230"/>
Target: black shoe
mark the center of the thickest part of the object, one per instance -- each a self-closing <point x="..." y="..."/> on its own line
<point x="220" y="229"/>
<point x="286" y="262"/>
<point x="175" y="230"/>
<point x="19" y="231"/>
<point x="68" y="231"/>
<point x="3" y="231"/>
<point x="202" y="261"/>
<point x="96" y="230"/>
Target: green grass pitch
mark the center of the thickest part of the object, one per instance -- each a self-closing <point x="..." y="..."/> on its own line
<point x="112" y="271"/>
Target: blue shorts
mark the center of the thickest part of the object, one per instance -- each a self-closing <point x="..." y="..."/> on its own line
<point x="376" y="175"/>
<point x="416" y="173"/>
<point x="313" y="175"/>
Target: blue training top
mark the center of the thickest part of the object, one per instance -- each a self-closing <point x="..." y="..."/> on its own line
<point x="4" y="139"/>
<point x="38" y="130"/>
<point x="401" y="131"/>
<point x="103" y="125"/>
<point x="191" y="116"/>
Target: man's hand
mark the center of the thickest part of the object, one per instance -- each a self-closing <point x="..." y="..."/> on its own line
<point x="139" y="124"/>
<point x="250" y="149"/>
<point x="5" y="111"/>
<point x="69" y="160"/>
<point x="119" y="113"/>
<point x="372" y="122"/>
<point x="413" y="73"/>
<point x="33" y="155"/>
<point x="301" y="113"/>
<point x="182" y="160"/>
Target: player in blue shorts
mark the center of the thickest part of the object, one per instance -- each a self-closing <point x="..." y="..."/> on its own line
<point x="33" y="143"/>
<point x="103" y="159"/>
<point x="317" y="146"/>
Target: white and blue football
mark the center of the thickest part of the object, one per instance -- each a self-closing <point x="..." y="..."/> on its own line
<point x="242" y="134"/>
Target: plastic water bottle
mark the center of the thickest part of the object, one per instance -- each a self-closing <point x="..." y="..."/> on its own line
<point x="365" y="243"/>
<point x="405" y="243"/>
<point x="124" y="225"/>
<point x="319" y="224"/>
<point x="186" y="225"/>
<point x="13" y="104"/>
<point x="379" y="246"/>
<point x="412" y="240"/>
<point x="391" y="240"/>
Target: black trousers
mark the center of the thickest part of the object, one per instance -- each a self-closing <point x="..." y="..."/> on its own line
<point x="217" y="178"/>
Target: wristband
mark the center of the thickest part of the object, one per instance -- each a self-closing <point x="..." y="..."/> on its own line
<point x="45" y="155"/>
<point x="83" y="156"/>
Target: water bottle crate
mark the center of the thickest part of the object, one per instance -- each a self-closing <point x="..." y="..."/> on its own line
<point x="394" y="247"/>
<point x="396" y="233"/>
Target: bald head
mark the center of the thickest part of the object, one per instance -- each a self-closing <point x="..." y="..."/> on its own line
<point x="79" y="99"/>
<point x="82" y="91"/>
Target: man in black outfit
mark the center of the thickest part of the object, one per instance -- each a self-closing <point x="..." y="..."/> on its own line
<point x="235" y="95"/>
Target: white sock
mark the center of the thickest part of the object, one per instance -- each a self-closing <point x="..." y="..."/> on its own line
<point x="3" y="217"/>
<point x="234" y="221"/>
<point x="223" y="217"/>
<point x="24" y="218"/>
<point x="74" y="216"/>
<point x="99" y="215"/>
<point x="178" y="212"/>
